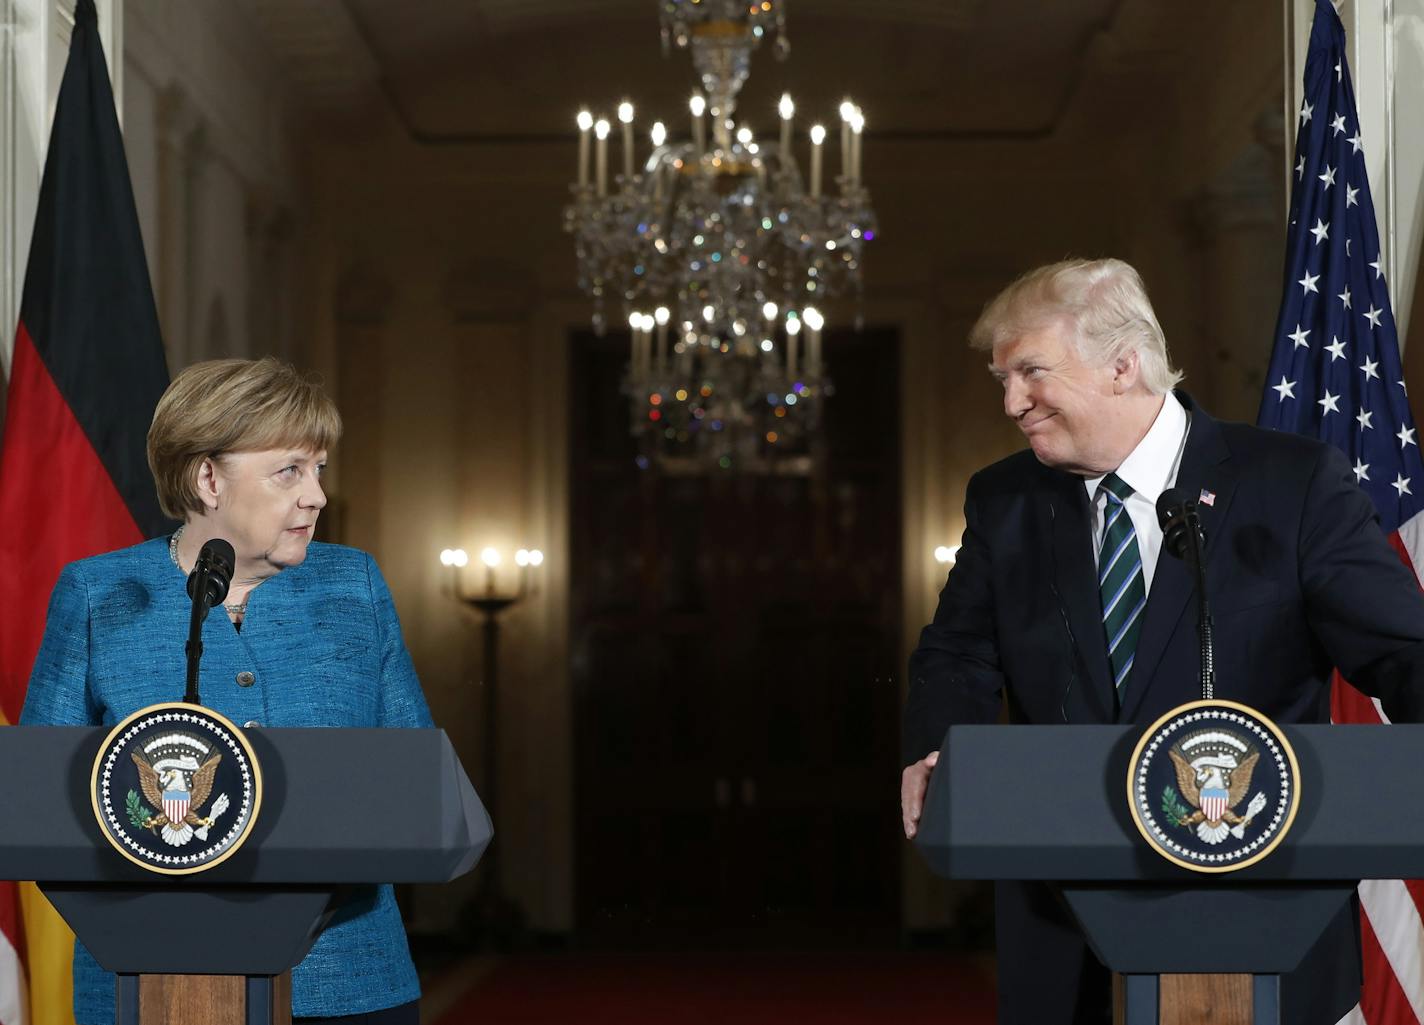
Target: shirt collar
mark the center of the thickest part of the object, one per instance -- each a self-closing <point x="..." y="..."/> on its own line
<point x="1152" y="465"/>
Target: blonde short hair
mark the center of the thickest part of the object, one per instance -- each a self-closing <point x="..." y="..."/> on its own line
<point x="1105" y="303"/>
<point x="232" y="405"/>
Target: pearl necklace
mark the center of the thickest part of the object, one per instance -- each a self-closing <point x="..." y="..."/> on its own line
<point x="236" y="608"/>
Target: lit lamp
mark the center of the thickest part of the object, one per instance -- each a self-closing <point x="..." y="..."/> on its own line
<point x="946" y="554"/>
<point x="496" y="911"/>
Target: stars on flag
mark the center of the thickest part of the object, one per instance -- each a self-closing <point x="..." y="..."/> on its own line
<point x="1383" y="471"/>
<point x="1336" y="357"/>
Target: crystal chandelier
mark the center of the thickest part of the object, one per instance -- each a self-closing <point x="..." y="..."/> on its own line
<point x="719" y="254"/>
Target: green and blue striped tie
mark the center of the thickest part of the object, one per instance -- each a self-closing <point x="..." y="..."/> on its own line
<point x="1120" y="580"/>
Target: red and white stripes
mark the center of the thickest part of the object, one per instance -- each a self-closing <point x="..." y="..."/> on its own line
<point x="1391" y="910"/>
<point x="12" y="966"/>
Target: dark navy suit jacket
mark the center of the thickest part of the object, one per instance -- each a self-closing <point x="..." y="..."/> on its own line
<point x="1301" y="580"/>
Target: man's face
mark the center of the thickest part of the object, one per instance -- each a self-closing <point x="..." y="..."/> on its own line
<point x="1064" y="407"/>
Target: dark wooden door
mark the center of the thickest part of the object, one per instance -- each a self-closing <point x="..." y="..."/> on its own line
<point x="735" y="651"/>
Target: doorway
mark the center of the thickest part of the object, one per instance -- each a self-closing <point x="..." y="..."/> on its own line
<point x="735" y="655"/>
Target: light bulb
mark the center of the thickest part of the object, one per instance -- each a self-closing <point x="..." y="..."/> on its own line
<point x="490" y="557"/>
<point x="786" y="108"/>
<point x="585" y="120"/>
<point x="818" y="134"/>
<point x="625" y="112"/>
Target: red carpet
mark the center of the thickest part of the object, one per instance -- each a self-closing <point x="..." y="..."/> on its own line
<point x="728" y="989"/>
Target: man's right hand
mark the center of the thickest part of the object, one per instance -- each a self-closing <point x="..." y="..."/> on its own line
<point x="914" y="781"/>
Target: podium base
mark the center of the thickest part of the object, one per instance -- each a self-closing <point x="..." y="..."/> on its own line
<point x="204" y="999"/>
<point x="1196" y="1000"/>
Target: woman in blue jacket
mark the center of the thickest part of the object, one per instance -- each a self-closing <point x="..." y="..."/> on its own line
<point x="310" y="636"/>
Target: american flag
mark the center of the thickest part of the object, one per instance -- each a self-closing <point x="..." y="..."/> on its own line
<point x="1336" y="375"/>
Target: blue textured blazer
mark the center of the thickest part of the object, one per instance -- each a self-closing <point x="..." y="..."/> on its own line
<point x="323" y="646"/>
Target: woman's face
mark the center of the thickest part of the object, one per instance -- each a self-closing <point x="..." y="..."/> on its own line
<point x="266" y="503"/>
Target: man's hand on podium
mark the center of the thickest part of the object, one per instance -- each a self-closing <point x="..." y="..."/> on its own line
<point x="914" y="781"/>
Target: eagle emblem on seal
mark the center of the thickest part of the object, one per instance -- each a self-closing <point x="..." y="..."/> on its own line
<point x="1213" y="769"/>
<point x="176" y="783"/>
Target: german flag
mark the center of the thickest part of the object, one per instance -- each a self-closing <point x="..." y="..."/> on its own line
<point x="87" y="372"/>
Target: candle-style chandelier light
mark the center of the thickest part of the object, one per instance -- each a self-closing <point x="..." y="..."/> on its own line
<point x="718" y="254"/>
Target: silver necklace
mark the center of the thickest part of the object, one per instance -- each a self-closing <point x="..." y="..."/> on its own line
<point x="236" y="608"/>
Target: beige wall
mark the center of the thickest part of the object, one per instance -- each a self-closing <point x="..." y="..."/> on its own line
<point x="209" y="134"/>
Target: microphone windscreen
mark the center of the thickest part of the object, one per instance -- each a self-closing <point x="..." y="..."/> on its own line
<point x="1171" y="504"/>
<point x="221" y="556"/>
<point x="217" y="555"/>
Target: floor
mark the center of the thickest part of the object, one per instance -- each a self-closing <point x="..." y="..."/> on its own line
<point x="714" y="989"/>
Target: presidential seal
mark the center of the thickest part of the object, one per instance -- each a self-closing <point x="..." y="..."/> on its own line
<point x="176" y="788"/>
<point x="1213" y="786"/>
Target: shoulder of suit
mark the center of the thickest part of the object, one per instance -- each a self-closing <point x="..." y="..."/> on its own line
<point x="1247" y="441"/>
<point x="144" y="557"/>
<point x="1012" y="475"/>
<point x="335" y="557"/>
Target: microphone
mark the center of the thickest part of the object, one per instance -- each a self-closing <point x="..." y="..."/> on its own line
<point x="207" y="586"/>
<point x="1184" y="537"/>
<point x="1177" y="515"/>
<point x="218" y="558"/>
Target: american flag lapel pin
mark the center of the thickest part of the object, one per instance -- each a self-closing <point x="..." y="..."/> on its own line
<point x="1207" y="497"/>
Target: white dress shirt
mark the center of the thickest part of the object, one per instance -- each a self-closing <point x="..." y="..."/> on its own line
<point x="1149" y="469"/>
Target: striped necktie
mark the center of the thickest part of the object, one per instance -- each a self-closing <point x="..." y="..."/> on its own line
<point x="1120" y="581"/>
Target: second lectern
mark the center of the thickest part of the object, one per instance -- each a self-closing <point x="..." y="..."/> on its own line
<point x="1143" y="915"/>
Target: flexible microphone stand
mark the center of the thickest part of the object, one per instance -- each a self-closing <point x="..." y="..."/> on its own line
<point x="1208" y="649"/>
<point x="207" y="586"/>
<point x="1184" y="536"/>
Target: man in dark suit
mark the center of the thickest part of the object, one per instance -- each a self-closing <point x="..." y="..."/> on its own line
<point x="1061" y="607"/>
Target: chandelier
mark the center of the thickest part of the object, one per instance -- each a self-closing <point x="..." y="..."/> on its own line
<point x="719" y="254"/>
